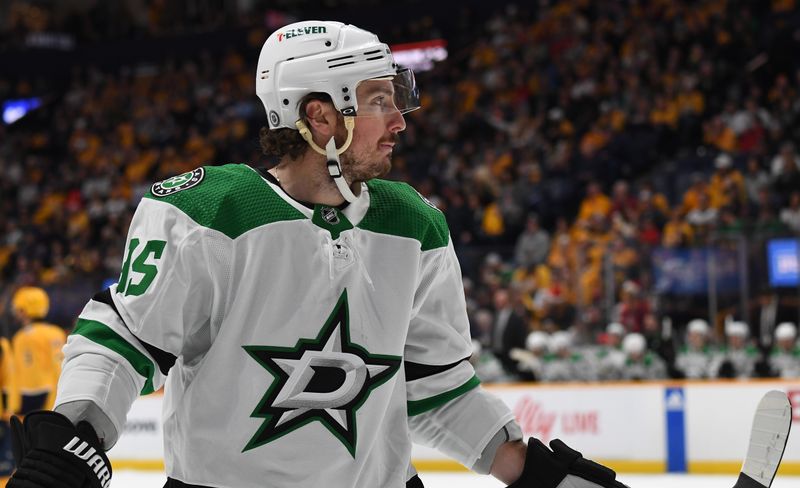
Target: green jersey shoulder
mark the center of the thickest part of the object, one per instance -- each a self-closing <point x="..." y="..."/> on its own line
<point x="398" y="209"/>
<point x="231" y="199"/>
<point x="234" y="199"/>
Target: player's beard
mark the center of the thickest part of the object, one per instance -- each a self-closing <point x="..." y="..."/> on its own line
<point x="356" y="169"/>
<point x="366" y="165"/>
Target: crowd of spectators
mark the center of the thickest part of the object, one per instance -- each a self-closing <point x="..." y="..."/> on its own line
<point x="564" y="145"/>
<point x="95" y="21"/>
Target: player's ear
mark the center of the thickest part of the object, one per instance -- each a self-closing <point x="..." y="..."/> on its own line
<point x="322" y="119"/>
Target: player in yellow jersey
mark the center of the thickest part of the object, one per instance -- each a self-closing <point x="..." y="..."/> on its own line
<point x="36" y="354"/>
<point x="9" y="384"/>
<point x="9" y="404"/>
<point x="37" y="350"/>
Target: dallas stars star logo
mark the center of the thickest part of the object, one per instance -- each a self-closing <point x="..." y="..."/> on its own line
<point x="326" y="379"/>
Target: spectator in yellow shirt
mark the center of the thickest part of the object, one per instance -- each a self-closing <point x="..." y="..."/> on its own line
<point x="717" y="133"/>
<point x="594" y="202"/>
<point x="727" y="184"/>
<point x="677" y="232"/>
<point x="692" y="196"/>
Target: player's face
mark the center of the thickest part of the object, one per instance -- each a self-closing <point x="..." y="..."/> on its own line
<point x="375" y="134"/>
<point x="697" y="340"/>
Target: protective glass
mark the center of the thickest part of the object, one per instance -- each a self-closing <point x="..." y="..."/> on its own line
<point x="383" y="96"/>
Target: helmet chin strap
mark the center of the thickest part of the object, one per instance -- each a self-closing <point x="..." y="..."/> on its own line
<point x="330" y="152"/>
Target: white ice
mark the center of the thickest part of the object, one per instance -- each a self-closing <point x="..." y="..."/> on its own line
<point x="140" y="479"/>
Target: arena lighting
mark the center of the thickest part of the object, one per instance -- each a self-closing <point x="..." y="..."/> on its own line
<point x="15" y="109"/>
<point x="420" y="56"/>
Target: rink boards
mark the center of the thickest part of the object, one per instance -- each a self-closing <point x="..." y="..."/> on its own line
<point x="696" y="427"/>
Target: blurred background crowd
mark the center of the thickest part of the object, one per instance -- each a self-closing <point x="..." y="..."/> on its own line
<point x="613" y="173"/>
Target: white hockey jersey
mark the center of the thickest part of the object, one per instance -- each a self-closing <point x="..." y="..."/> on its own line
<point x="294" y="343"/>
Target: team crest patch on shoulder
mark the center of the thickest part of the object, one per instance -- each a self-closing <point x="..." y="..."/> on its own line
<point x="178" y="183"/>
<point x="427" y="202"/>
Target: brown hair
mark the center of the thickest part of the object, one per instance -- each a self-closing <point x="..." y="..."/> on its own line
<point x="288" y="142"/>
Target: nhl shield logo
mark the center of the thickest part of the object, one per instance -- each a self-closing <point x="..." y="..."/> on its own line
<point x="330" y="215"/>
<point x="178" y="183"/>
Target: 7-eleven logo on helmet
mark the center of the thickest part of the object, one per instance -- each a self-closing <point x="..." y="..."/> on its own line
<point x="301" y="31"/>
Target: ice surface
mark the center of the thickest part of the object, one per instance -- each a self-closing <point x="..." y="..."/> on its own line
<point x="139" y="479"/>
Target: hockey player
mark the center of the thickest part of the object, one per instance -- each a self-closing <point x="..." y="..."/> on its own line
<point x="610" y="357"/>
<point x="37" y="350"/>
<point x="640" y="364"/>
<point x="564" y="363"/>
<point x="738" y="358"/>
<point x="530" y="361"/>
<point x="10" y="405"/>
<point x="487" y="367"/>
<point x="784" y="360"/>
<point x="8" y="381"/>
<point x="307" y="320"/>
<point x="694" y="358"/>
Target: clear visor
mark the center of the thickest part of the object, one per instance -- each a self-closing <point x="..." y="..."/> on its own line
<point x="382" y="96"/>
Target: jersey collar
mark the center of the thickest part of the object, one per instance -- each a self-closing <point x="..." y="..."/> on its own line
<point x="354" y="211"/>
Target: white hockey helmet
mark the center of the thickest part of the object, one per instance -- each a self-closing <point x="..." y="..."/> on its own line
<point x="634" y="343"/>
<point x="785" y="330"/>
<point x="737" y="329"/>
<point x="536" y="341"/>
<point x="559" y="341"/>
<point x="699" y="326"/>
<point x="615" y="328"/>
<point x="328" y="57"/>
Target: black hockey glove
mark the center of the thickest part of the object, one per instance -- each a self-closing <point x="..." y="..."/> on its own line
<point x="562" y="467"/>
<point x="51" y="452"/>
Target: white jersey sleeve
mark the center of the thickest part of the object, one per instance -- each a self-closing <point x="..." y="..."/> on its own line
<point x="128" y="337"/>
<point x="447" y="408"/>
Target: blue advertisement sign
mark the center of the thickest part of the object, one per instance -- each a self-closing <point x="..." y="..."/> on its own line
<point x="675" y="400"/>
<point x="783" y="262"/>
<point x="682" y="271"/>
